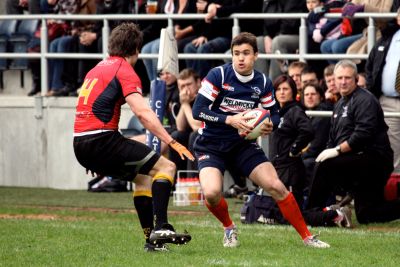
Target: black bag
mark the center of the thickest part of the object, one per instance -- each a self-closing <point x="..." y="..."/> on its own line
<point x="261" y="208"/>
<point x="107" y="184"/>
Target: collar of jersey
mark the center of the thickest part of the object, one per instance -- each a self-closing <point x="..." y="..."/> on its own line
<point x="243" y="79"/>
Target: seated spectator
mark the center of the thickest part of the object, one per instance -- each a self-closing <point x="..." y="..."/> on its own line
<point x="362" y="80"/>
<point x="60" y="44"/>
<point x="294" y="71"/>
<point x="182" y="33"/>
<point x="282" y="36"/>
<point x="359" y="157"/>
<point x="332" y="94"/>
<point x="290" y="138"/>
<point x="308" y="76"/>
<point x="321" y="28"/>
<point x="312" y="98"/>
<point x="354" y="31"/>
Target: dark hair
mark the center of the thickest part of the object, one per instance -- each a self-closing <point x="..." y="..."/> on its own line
<point x="245" y="38"/>
<point x="125" y="40"/>
<point x="285" y="78"/>
<point x="187" y="73"/>
<point x="328" y="71"/>
<point x="317" y="88"/>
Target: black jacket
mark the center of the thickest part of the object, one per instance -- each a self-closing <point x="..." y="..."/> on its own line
<point x="358" y="119"/>
<point x="293" y="134"/>
<point x="321" y="127"/>
<point x="376" y="60"/>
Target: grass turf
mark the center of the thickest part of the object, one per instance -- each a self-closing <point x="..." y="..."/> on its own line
<point x="46" y="227"/>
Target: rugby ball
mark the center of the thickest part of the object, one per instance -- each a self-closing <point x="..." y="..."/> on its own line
<point x="260" y="115"/>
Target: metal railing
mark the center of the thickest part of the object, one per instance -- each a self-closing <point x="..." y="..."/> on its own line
<point x="302" y="55"/>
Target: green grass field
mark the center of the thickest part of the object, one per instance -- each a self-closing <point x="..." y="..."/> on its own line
<point x="45" y="227"/>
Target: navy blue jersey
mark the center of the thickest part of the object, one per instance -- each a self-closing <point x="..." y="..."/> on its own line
<point x="224" y="92"/>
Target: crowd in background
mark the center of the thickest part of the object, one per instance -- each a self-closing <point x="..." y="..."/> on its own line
<point x="311" y="85"/>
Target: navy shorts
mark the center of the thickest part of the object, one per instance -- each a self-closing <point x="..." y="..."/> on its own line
<point x="244" y="155"/>
<point x="112" y="154"/>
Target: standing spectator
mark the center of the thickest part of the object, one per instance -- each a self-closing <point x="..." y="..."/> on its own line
<point x="359" y="157"/>
<point x="293" y="134"/>
<point x="382" y="70"/>
<point x="100" y="147"/>
<point x="225" y="94"/>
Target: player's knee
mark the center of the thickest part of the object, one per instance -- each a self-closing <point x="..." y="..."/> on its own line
<point x="212" y="196"/>
<point x="164" y="165"/>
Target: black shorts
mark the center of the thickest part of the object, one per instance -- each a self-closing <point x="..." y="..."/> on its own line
<point x="244" y="155"/>
<point x="111" y="154"/>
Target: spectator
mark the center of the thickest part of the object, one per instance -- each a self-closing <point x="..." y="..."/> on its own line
<point x="186" y="125"/>
<point x="225" y="93"/>
<point x="152" y="47"/>
<point x="281" y="36"/>
<point x="321" y="28"/>
<point x="308" y="76"/>
<point x="294" y="71"/>
<point x="358" y="28"/>
<point x="358" y="157"/>
<point x="362" y="80"/>
<point x="313" y="98"/>
<point x="19" y="6"/>
<point x="61" y="44"/>
<point x="293" y="134"/>
<point x="332" y="94"/>
<point x="382" y="71"/>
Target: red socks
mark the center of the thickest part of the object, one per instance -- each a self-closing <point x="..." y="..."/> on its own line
<point x="221" y="212"/>
<point x="290" y="210"/>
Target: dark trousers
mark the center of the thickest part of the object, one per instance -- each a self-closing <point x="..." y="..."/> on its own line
<point x="364" y="175"/>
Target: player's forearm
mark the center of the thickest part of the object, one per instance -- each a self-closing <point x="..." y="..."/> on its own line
<point x="150" y="121"/>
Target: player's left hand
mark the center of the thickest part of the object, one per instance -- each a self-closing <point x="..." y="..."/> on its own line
<point x="267" y="127"/>
<point x="181" y="149"/>
<point x="327" y="154"/>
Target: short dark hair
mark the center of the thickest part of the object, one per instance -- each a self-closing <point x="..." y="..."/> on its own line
<point x="285" y="78"/>
<point x="245" y="38"/>
<point x="125" y="40"/>
<point x="317" y="88"/>
<point x="187" y="73"/>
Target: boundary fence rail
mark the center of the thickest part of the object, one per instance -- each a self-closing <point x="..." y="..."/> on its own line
<point x="303" y="55"/>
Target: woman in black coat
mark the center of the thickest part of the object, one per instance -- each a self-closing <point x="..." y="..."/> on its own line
<point x="292" y="135"/>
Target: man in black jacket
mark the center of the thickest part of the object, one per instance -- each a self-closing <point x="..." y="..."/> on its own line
<point x="358" y="157"/>
<point x="381" y="68"/>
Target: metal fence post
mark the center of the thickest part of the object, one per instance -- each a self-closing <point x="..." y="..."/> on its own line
<point x="302" y="39"/>
<point x="43" y="58"/>
<point x="371" y="33"/>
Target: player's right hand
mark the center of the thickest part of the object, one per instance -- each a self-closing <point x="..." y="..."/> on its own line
<point x="182" y="150"/>
<point x="239" y="121"/>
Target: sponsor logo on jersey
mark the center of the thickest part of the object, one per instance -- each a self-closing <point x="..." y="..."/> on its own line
<point x="108" y="62"/>
<point x="227" y="87"/>
<point x="229" y="104"/>
<point x="208" y="117"/>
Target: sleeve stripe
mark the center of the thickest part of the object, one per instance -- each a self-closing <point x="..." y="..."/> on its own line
<point x="208" y="90"/>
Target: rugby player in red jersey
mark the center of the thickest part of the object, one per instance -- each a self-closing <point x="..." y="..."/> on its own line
<point x="100" y="147"/>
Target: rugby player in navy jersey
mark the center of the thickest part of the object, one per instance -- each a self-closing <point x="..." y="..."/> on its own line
<point x="101" y="149"/>
<point x="226" y="92"/>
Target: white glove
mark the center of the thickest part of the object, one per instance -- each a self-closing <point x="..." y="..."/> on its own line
<point x="327" y="154"/>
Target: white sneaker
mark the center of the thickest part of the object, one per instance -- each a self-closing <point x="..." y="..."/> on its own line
<point x="312" y="241"/>
<point x="231" y="238"/>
